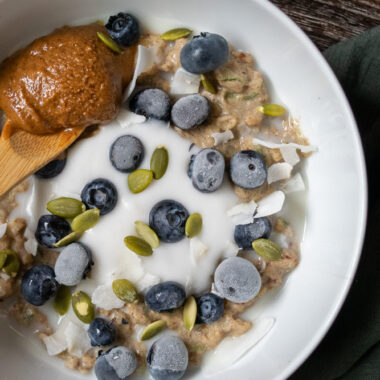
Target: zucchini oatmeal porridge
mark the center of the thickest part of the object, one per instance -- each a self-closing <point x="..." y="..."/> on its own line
<point x="139" y="249"/>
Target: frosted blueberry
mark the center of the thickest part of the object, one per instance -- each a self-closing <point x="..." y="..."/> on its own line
<point x="126" y="153"/>
<point x="167" y="358"/>
<point x="165" y="296"/>
<point x="73" y="264"/>
<point x="237" y="280"/>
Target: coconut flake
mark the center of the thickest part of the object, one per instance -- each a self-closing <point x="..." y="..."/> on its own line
<point x="4" y="276"/>
<point x="145" y="60"/>
<point x="127" y="118"/>
<point x="294" y="184"/>
<point x="3" y="229"/>
<point x="184" y="83"/>
<point x="147" y="281"/>
<point x="242" y="213"/>
<point x="231" y="349"/>
<point x="104" y="297"/>
<point x="222" y="137"/>
<point x="197" y="249"/>
<point x="280" y="239"/>
<point x="290" y="155"/>
<point x="78" y="342"/>
<point x="279" y="171"/>
<point x="55" y="343"/>
<point x="30" y="244"/>
<point x="270" y="204"/>
<point x="231" y="249"/>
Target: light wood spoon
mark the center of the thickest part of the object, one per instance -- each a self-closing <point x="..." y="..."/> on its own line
<point x="23" y="153"/>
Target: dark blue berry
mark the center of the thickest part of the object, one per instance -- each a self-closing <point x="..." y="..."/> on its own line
<point x="115" y="364"/>
<point x="123" y="28"/>
<point x="126" y="153"/>
<point x="100" y="193"/>
<point x="51" y="229"/>
<point x="167" y="358"/>
<point x="206" y="170"/>
<point x="245" y="234"/>
<point x="248" y="169"/>
<point x="204" y="53"/>
<point x="52" y="169"/>
<point x="101" y="332"/>
<point x="152" y="103"/>
<point x="210" y="308"/>
<point x="165" y="296"/>
<point x="190" y="111"/>
<point x="38" y="284"/>
<point x="168" y="219"/>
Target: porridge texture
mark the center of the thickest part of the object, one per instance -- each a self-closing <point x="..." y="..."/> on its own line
<point x="240" y="90"/>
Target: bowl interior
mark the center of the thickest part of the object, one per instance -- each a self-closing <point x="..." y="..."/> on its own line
<point x="306" y="305"/>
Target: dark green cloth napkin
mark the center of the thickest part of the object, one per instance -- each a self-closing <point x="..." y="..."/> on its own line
<point x="351" y="349"/>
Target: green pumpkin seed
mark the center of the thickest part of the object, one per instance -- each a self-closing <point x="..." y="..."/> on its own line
<point x="272" y="109"/>
<point x="159" y="162"/>
<point x="62" y="300"/>
<point x="190" y="313"/>
<point x="66" y="207"/>
<point x="193" y="225"/>
<point x="125" y="290"/>
<point x="153" y="329"/>
<point x="175" y="34"/>
<point x="9" y="262"/>
<point x="3" y="256"/>
<point x="86" y="220"/>
<point x="68" y="239"/>
<point x="110" y="43"/>
<point x="83" y="307"/>
<point x="146" y="233"/>
<point x="267" y="249"/>
<point x="138" y="246"/>
<point x="139" y="180"/>
<point x="207" y="84"/>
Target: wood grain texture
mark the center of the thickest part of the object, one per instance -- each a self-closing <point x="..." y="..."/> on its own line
<point x="329" y="21"/>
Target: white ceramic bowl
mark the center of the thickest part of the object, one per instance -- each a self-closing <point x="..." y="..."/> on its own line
<point x="336" y="204"/>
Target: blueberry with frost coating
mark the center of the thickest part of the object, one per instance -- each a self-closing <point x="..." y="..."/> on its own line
<point x="152" y="103"/>
<point x="248" y="169"/>
<point x="126" y="153"/>
<point x="206" y="170"/>
<point x="51" y="229"/>
<point x="123" y="28"/>
<point x="165" y="296"/>
<point x="245" y="234"/>
<point x="73" y="263"/>
<point x="190" y="111"/>
<point x="237" y="280"/>
<point x="167" y="358"/>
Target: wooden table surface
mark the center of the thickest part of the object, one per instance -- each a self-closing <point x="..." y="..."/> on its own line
<point x="329" y="21"/>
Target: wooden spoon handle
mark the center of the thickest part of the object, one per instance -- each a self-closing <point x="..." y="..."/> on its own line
<point x="23" y="153"/>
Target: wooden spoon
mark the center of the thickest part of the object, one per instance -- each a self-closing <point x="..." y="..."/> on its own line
<point x="23" y="153"/>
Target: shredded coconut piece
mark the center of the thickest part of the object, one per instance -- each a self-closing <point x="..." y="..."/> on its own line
<point x="78" y="342"/>
<point x="270" y="204"/>
<point x="145" y="59"/>
<point x="104" y="297"/>
<point x="242" y="213"/>
<point x="147" y="281"/>
<point x="231" y="249"/>
<point x="222" y="137"/>
<point x="127" y="118"/>
<point x="55" y="343"/>
<point x="4" y="276"/>
<point x="184" y="83"/>
<point x="279" y="171"/>
<point x="280" y="240"/>
<point x="197" y="249"/>
<point x="294" y="184"/>
<point x="3" y="229"/>
<point x="290" y="155"/>
<point x="30" y="244"/>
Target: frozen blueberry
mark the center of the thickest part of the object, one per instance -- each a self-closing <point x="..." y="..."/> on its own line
<point x="245" y="234"/>
<point x="126" y="153"/>
<point x="237" y="280"/>
<point x="73" y="263"/>
<point x="52" y="169"/>
<point x="206" y="170"/>
<point x="204" y="53"/>
<point x="165" y="296"/>
<point x="100" y="193"/>
<point x="190" y="111"/>
<point x="38" y="284"/>
<point x="167" y="358"/>
<point x="153" y="103"/>
<point x="123" y="28"/>
<point x="101" y="332"/>
<point x="51" y="229"/>
<point x="210" y="308"/>
<point x="168" y="219"/>
<point x="115" y="364"/>
<point x="248" y="169"/>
